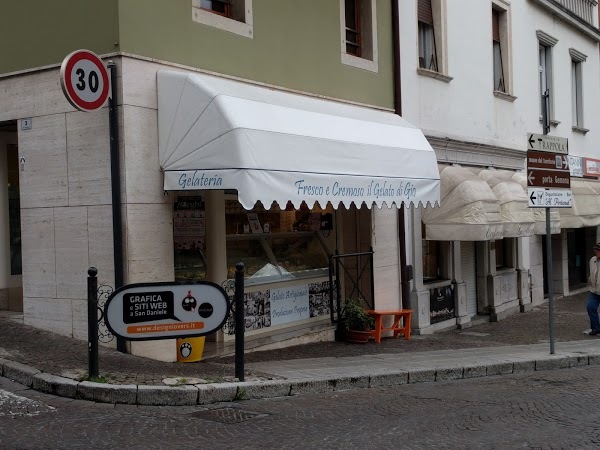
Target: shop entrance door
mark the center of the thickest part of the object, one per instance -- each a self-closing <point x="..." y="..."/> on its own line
<point x="11" y="291"/>
<point x="576" y="259"/>
<point x="467" y="261"/>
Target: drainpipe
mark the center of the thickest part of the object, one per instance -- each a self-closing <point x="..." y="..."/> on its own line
<point x="404" y="282"/>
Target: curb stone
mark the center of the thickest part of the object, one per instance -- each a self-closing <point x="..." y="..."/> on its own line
<point x="165" y="395"/>
<point x="311" y="387"/>
<point x="217" y="392"/>
<point x="19" y="372"/>
<point x="265" y="389"/>
<point x="55" y="385"/>
<point x="421" y="376"/>
<point x="391" y="379"/>
<point x="108" y="393"/>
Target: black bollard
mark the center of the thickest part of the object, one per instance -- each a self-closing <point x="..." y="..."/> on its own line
<point x="240" y="326"/>
<point x="92" y="323"/>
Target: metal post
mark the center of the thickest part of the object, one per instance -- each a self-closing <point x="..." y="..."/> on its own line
<point x="115" y="175"/>
<point x="92" y="323"/>
<point x="550" y="283"/>
<point x="546" y="128"/>
<point x="239" y="321"/>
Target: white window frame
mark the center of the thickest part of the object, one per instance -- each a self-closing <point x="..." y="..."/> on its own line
<point x="505" y="19"/>
<point x="577" y="116"/>
<point x="546" y="45"/>
<point x="369" y="49"/>
<point x="205" y="17"/>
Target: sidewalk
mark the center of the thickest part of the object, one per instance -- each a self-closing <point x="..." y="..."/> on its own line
<point x="57" y="364"/>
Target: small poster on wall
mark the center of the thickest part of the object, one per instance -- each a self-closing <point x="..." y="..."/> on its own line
<point x="189" y="224"/>
<point x="289" y="304"/>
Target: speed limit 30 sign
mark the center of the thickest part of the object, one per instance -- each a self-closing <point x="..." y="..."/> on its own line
<point x="84" y="80"/>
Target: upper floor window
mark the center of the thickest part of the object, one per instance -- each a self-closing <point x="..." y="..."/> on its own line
<point x="359" y="33"/>
<point x="577" y="60"/>
<point x="501" y="50"/>
<point x="427" y="50"/>
<point x="545" y="45"/>
<point x="234" y="16"/>
<point x="221" y="7"/>
<point x="431" y="37"/>
<point x="499" y="84"/>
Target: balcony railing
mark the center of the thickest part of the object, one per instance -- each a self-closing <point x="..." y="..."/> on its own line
<point x="584" y="9"/>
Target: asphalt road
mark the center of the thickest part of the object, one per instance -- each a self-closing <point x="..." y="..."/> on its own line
<point x="553" y="409"/>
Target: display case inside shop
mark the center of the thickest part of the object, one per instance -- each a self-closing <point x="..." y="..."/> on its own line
<point x="277" y="245"/>
<point x="277" y="257"/>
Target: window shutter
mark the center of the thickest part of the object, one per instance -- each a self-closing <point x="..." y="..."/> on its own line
<point x="425" y="14"/>
<point x="495" y="25"/>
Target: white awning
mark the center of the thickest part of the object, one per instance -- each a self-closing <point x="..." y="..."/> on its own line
<point x="539" y="214"/>
<point x="270" y="145"/>
<point x="516" y="217"/>
<point x="586" y="205"/>
<point x="469" y="210"/>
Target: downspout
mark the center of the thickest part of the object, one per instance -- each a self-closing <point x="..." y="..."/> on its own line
<point x="404" y="282"/>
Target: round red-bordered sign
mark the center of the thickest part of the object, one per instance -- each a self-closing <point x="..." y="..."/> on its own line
<point x="84" y="80"/>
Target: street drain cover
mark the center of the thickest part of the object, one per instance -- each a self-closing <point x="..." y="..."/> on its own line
<point x="227" y="415"/>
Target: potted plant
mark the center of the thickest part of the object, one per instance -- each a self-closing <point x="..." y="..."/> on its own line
<point x="358" y="323"/>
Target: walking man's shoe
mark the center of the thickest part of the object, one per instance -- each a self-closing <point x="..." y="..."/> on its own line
<point x="594" y="333"/>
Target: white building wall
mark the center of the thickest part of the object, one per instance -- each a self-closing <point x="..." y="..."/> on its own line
<point x="466" y="109"/>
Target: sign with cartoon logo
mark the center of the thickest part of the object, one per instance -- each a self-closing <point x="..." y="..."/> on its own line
<point x="147" y="311"/>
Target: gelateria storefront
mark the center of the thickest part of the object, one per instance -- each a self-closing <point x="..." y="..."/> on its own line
<point x="279" y="181"/>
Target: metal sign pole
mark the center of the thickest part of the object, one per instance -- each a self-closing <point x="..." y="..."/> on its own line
<point x="92" y="323"/>
<point x="549" y="274"/>
<point x="550" y="279"/>
<point x="239" y="321"/>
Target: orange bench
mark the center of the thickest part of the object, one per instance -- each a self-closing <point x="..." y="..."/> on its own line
<point x="396" y="328"/>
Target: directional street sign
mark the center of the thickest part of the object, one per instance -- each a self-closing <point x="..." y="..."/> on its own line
<point x="549" y="198"/>
<point x="547" y="160"/>
<point x="548" y="179"/>
<point x="545" y="143"/>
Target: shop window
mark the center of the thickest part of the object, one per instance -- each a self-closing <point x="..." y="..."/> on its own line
<point x="359" y="33"/>
<point x="505" y="253"/>
<point x="435" y="254"/>
<point x="14" y="211"/>
<point x="234" y="16"/>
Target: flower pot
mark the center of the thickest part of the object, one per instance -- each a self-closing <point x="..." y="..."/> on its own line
<point x="357" y="337"/>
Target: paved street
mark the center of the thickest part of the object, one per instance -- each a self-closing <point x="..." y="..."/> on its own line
<point x="550" y="409"/>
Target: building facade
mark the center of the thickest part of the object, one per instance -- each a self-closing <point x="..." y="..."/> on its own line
<point x="276" y="68"/>
<point x="477" y="77"/>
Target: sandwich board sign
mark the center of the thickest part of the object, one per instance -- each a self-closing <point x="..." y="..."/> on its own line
<point x="147" y="311"/>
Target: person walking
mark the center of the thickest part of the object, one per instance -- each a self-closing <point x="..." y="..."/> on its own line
<point x="594" y="296"/>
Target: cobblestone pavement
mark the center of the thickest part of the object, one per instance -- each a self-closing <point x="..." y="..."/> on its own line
<point x="67" y="357"/>
<point x="539" y="410"/>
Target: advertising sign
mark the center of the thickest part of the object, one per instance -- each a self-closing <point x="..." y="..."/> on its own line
<point x="289" y="304"/>
<point x="576" y="166"/>
<point x="166" y="310"/>
<point x="591" y="167"/>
